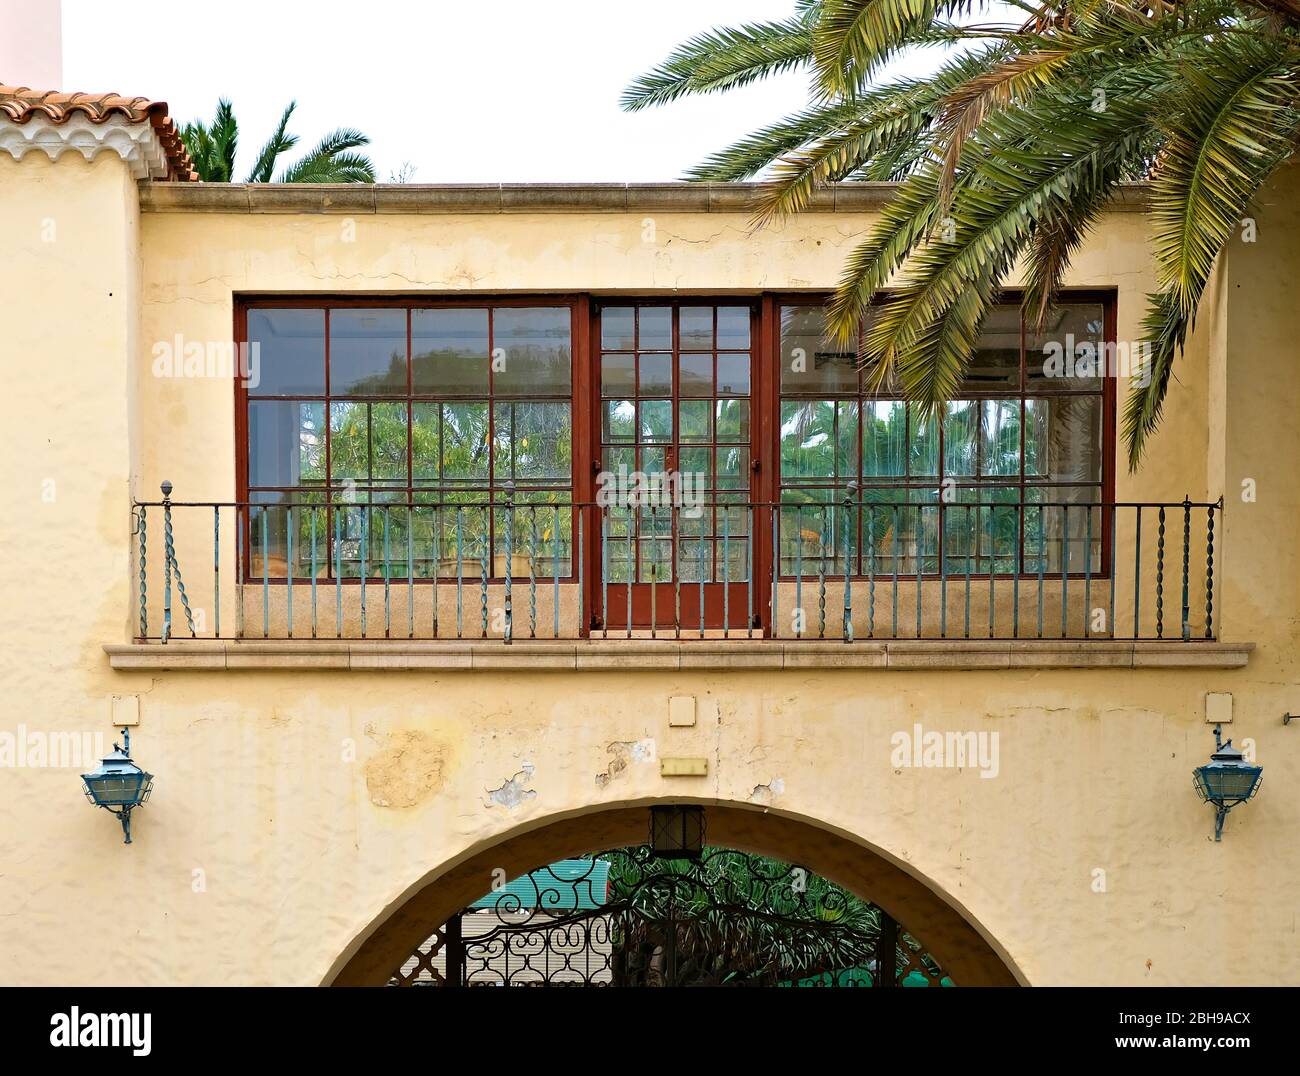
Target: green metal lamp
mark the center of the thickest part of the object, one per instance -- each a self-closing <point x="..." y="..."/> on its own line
<point x="119" y="785"/>
<point x="1226" y="780"/>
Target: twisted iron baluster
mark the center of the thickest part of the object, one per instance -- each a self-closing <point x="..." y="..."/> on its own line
<point x="1209" y="572"/>
<point x="1187" y="568"/>
<point x="532" y="574"/>
<point x="144" y="606"/>
<point x="1160" y="577"/>
<point x="169" y="549"/>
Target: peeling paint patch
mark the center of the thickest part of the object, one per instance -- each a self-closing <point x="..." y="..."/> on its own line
<point x="768" y="792"/>
<point x="409" y="769"/>
<point x="625" y="752"/>
<point x="511" y="794"/>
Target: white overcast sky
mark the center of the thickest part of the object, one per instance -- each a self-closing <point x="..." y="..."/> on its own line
<point x="463" y="90"/>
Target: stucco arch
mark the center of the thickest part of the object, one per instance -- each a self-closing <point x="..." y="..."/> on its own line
<point x="959" y="943"/>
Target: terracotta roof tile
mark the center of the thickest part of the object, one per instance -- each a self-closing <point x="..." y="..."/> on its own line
<point x="19" y="104"/>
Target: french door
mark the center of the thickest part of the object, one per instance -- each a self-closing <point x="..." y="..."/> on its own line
<point x="675" y="454"/>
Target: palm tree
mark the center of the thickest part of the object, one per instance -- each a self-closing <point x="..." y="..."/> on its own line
<point x="1010" y="153"/>
<point x="212" y="147"/>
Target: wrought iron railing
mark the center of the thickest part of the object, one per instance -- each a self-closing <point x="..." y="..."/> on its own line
<point x="532" y="566"/>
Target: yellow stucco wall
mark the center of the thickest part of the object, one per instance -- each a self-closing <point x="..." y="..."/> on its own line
<point x="293" y="809"/>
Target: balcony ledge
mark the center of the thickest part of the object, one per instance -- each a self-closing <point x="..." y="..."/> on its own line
<point x="668" y="655"/>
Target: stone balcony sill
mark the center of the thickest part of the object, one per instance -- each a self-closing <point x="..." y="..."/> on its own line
<point x="653" y="655"/>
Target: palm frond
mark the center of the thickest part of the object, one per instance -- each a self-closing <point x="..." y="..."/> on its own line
<point x="724" y="59"/>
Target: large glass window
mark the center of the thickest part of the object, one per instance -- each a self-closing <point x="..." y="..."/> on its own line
<point x="396" y="429"/>
<point x="1025" y="430"/>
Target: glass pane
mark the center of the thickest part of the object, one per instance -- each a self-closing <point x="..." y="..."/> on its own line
<point x="286" y="442"/>
<point x="695" y="329"/>
<point x="696" y="375"/>
<point x="733" y="375"/>
<point x="694" y="420"/>
<point x="995" y="365"/>
<point x="846" y="440"/>
<point x="618" y="420"/>
<point x="961" y="420"/>
<point x="923" y="443"/>
<point x="884" y="438"/>
<point x="617" y="375"/>
<point x="731" y="465"/>
<point x="733" y="327"/>
<point x="731" y="420"/>
<point x="697" y="462"/>
<point x="656" y="373"/>
<point x="534" y="441"/>
<point x="1063" y="438"/>
<point x="809" y="362"/>
<point x="1069" y="353"/>
<point x="367" y="352"/>
<point x="449" y="351"/>
<point x="656" y="420"/>
<point x="655" y="328"/>
<point x="531" y="349"/>
<point x="808" y="439"/>
<point x="1058" y="533"/>
<point x="617" y="329"/>
<point x="616" y="459"/>
<point x="290" y="352"/>
<point x="367" y="441"/>
<point x="425" y="435"/>
<point x="1000" y="437"/>
<point x="464" y="441"/>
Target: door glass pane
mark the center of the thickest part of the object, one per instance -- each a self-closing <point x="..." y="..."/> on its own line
<point x="731" y="420"/>
<point x="367" y="352"/>
<point x="617" y="375"/>
<point x="290" y="352"/>
<point x="655" y="328"/>
<point x="695" y="328"/>
<point x="618" y="420"/>
<point x="449" y="351"/>
<point x="697" y="375"/>
<point x="733" y="328"/>
<point x="656" y="375"/>
<point x="733" y="375"/>
<point x="656" y="420"/>
<point x="618" y="329"/>
<point x="694" y="420"/>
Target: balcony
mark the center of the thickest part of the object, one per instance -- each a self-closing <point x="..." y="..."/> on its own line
<point x="454" y="582"/>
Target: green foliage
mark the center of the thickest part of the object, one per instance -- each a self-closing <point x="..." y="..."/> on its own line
<point x="212" y="147"/>
<point x="1010" y="152"/>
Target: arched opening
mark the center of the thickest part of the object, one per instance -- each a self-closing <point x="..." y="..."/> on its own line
<point x="949" y="935"/>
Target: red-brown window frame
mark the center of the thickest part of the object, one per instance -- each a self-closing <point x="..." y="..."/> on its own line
<point x="585" y="386"/>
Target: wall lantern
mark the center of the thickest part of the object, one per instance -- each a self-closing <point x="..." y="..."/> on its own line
<point x="1226" y="780"/>
<point x="677" y="832"/>
<point x="119" y="785"/>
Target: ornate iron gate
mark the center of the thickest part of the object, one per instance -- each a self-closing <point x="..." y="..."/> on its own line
<point x="627" y="918"/>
